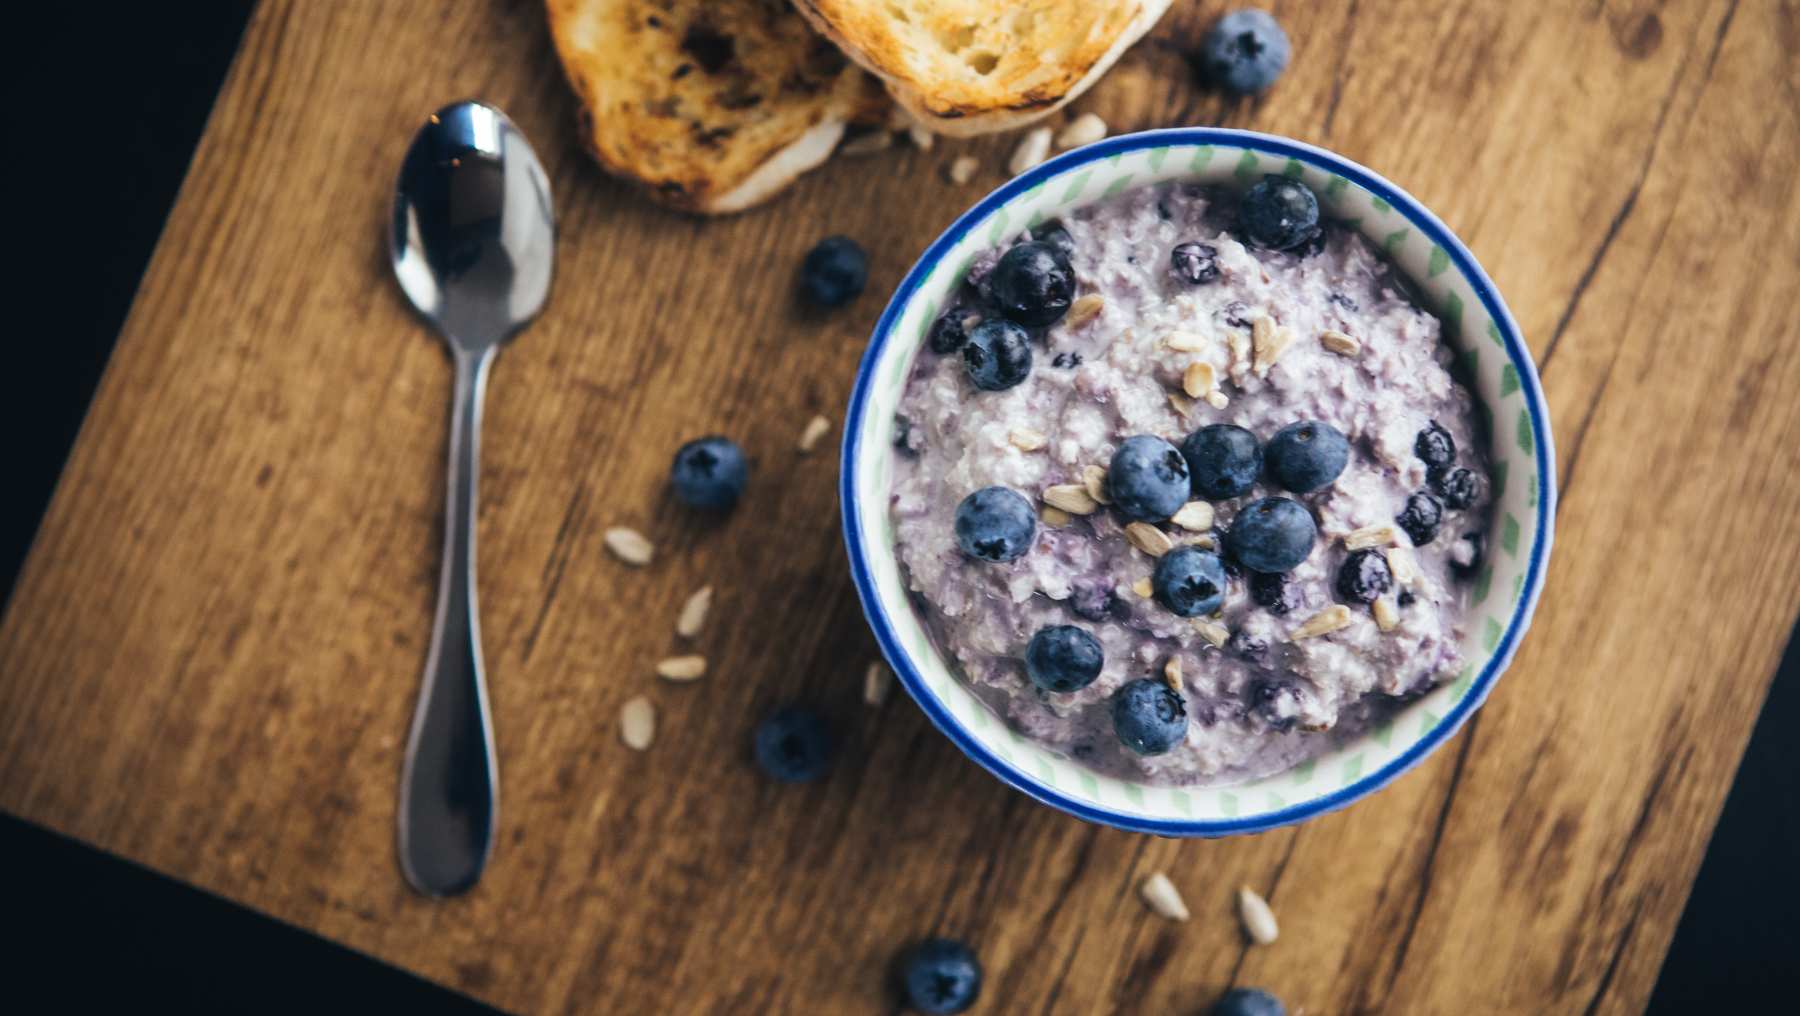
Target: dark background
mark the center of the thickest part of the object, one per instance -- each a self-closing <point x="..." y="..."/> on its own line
<point x="99" y="154"/>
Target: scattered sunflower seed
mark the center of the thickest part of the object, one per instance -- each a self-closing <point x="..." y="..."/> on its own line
<point x="1240" y="355"/>
<point x="1072" y="498"/>
<point x="1149" y="539"/>
<point x="1054" y="517"/>
<point x="1402" y="563"/>
<point x="1172" y="674"/>
<point x="1093" y="477"/>
<point x="693" y="613"/>
<point x="1212" y="631"/>
<point x="1339" y="343"/>
<point x="1268" y="342"/>
<point x="629" y="545"/>
<point x="920" y="136"/>
<point x="1217" y="399"/>
<point x="1083" y="130"/>
<point x="878" y="681"/>
<point x="816" y="429"/>
<point x="1161" y="895"/>
<point x="682" y="668"/>
<point x="1031" y="150"/>
<point x="1258" y="919"/>
<point x="1325" y="621"/>
<point x="867" y="144"/>
<point x="962" y="169"/>
<point x="637" y="723"/>
<point x="1185" y="342"/>
<point x="1027" y="440"/>
<point x="1198" y="379"/>
<point x="1083" y="310"/>
<point x="1143" y="588"/>
<point x="1195" y="516"/>
<point x="1386" y="616"/>
<point x="1383" y="535"/>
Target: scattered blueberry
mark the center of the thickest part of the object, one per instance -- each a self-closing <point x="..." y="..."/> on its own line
<point x="995" y="524"/>
<point x="1148" y="716"/>
<point x="949" y="331"/>
<point x="1031" y="284"/>
<point x="1225" y="460"/>
<point x="794" y="745"/>
<point x="834" y="271"/>
<point x="1435" y="446"/>
<point x="1465" y="554"/>
<point x="1306" y="455"/>
<point x="1364" y="576"/>
<point x="1248" y="1002"/>
<point x="1247" y="646"/>
<point x="940" y="975"/>
<point x="1056" y="235"/>
<point x="1063" y="658"/>
<point x="1244" y="52"/>
<point x="1279" y="213"/>
<point x="1276" y="702"/>
<point x="709" y="472"/>
<point x="997" y="355"/>
<point x="1148" y="478"/>
<point x="1193" y="263"/>
<point x="1420" y="518"/>
<point x="1274" y="593"/>
<point x="1272" y="535"/>
<point x="1067" y="361"/>
<point x="1189" y="581"/>
<point x="1457" y="486"/>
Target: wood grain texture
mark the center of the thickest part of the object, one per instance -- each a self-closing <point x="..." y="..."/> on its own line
<point x="209" y="662"/>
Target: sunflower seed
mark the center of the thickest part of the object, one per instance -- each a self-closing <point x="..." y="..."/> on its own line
<point x="1386" y="617"/>
<point x="962" y="169"/>
<point x="1339" y="343"/>
<point x="878" y="681"/>
<point x="1182" y="405"/>
<point x="1402" y="563"/>
<point x="1094" y="479"/>
<point x="693" y="613"/>
<point x="629" y="545"/>
<point x="1269" y="342"/>
<point x="1054" y="517"/>
<point x="1212" y="631"/>
<point x="1198" y="379"/>
<point x="1083" y="130"/>
<point x="816" y="429"/>
<point x="1195" y="516"/>
<point x="1161" y="895"/>
<point x="1185" y="342"/>
<point x="1026" y="439"/>
<point x="1143" y="588"/>
<point x="1149" y="539"/>
<point x="681" y="668"/>
<point x="1072" y="498"/>
<point x="1383" y="535"/>
<point x="1217" y="399"/>
<point x="1240" y="355"/>
<point x="1031" y="150"/>
<point x="1172" y="674"/>
<point x="1258" y="919"/>
<point x="637" y="723"/>
<point x="1083" y="310"/>
<point x="1328" y="620"/>
<point x="920" y="136"/>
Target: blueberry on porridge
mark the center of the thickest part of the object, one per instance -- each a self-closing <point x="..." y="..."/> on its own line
<point x="1236" y="524"/>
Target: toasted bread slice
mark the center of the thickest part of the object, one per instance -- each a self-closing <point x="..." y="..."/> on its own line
<point x="713" y="105"/>
<point x="965" y="67"/>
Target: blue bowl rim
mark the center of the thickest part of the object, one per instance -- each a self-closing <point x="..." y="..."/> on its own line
<point x="1520" y="355"/>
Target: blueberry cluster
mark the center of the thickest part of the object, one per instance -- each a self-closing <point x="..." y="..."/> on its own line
<point x="1449" y="486"/>
<point x="1030" y="287"/>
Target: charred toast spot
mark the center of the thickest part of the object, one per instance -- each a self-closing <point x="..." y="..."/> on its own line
<point x="710" y="49"/>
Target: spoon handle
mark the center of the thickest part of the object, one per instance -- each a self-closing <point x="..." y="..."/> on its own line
<point x="449" y="786"/>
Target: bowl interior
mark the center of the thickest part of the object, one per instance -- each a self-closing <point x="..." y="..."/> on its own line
<point x="1477" y="326"/>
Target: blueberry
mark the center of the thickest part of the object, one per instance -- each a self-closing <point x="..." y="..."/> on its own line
<point x="1031" y="284"/>
<point x="1148" y="716"/>
<point x="709" y="472"/>
<point x="940" y="975"/>
<point x="949" y="331"/>
<point x="1306" y="455"/>
<point x="1189" y="581"/>
<point x="1248" y="1002"/>
<point x="1456" y="485"/>
<point x="1434" y="445"/>
<point x="997" y="355"/>
<point x="1465" y="555"/>
<point x="1364" y="576"/>
<point x="794" y="745"/>
<point x="1420" y="518"/>
<point x="1063" y="658"/>
<point x="1224" y="460"/>
<point x="1193" y="263"/>
<point x="1148" y="478"/>
<point x="1274" y="593"/>
<point x="1244" y="52"/>
<point x="834" y="271"/>
<point x="1278" y="213"/>
<point x="1272" y="535"/>
<point x="995" y="524"/>
<point x="1275" y="702"/>
<point x="1056" y="235"/>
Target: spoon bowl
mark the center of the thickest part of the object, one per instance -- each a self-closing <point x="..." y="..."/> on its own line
<point x="473" y="246"/>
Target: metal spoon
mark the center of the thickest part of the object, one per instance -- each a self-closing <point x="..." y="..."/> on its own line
<point x="472" y="243"/>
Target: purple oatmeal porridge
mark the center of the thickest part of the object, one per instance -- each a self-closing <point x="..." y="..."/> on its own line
<point x="1173" y="323"/>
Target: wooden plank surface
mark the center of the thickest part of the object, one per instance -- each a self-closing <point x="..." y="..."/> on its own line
<point x="209" y="662"/>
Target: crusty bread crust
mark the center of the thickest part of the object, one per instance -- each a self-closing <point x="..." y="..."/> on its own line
<point x="967" y="67"/>
<point x="712" y="105"/>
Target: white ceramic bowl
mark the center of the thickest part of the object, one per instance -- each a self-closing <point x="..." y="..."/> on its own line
<point x="1477" y="325"/>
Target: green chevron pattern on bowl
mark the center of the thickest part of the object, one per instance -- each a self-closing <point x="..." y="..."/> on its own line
<point x="1477" y="338"/>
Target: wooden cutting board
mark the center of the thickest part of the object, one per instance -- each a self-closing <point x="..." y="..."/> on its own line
<point x="210" y="660"/>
